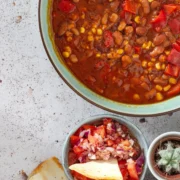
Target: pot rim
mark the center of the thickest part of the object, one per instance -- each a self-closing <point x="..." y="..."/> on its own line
<point x="151" y="150"/>
<point x="145" y="110"/>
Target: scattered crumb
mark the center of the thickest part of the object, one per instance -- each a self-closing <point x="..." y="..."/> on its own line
<point x="0" y="81"/>
<point x="56" y="141"/>
<point x="170" y="114"/>
<point x="142" y="120"/>
<point x="18" y="19"/>
<point x="14" y="3"/>
<point x="24" y="175"/>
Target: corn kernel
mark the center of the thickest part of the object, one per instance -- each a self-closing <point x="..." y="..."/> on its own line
<point x="135" y="56"/>
<point x="167" y="52"/>
<point x="150" y="1"/>
<point x="82" y="30"/>
<point x="144" y="45"/>
<point x="66" y="54"/>
<point x="93" y="30"/>
<point x="125" y="42"/>
<point x="166" y="88"/>
<point x="136" y="97"/>
<point x="137" y="19"/>
<point x="110" y="0"/>
<point x="144" y="64"/>
<point x="83" y="15"/>
<point x="159" y="96"/>
<point x="153" y="45"/>
<point x="158" y="66"/>
<point x="150" y="70"/>
<point x="159" y="88"/>
<point x="150" y="64"/>
<point x="153" y="59"/>
<point x="149" y="44"/>
<point x="163" y="66"/>
<point x="99" y="32"/>
<point x="69" y="38"/>
<point x="90" y="38"/>
<point x="104" y="27"/>
<point x="172" y="81"/>
<point x="98" y="55"/>
<point x="162" y="58"/>
<point x="68" y="49"/>
<point x="120" y="51"/>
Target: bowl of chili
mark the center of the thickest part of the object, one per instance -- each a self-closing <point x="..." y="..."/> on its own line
<point x="123" y="57"/>
<point x="103" y="137"/>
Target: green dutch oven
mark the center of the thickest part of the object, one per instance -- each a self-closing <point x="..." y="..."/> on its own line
<point x="100" y="101"/>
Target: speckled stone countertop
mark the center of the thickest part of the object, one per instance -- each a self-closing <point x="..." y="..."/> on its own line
<point x="37" y="109"/>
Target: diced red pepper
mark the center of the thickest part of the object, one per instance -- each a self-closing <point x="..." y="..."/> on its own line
<point x="72" y="158"/>
<point x="78" y="150"/>
<point x="79" y="176"/>
<point x="178" y="41"/>
<point x="91" y="127"/>
<point x="130" y="6"/>
<point x="174" y="90"/>
<point x="124" y="128"/>
<point x="131" y="166"/>
<point x="108" y="39"/>
<point x="110" y="142"/>
<point x="74" y="140"/>
<point x="107" y="121"/>
<point x="160" y="21"/>
<point x="169" y="8"/>
<point x="176" y="46"/>
<point x="123" y="169"/>
<point x="174" y="25"/>
<point x="137" y="49"/>
<point x="101" y="131"/>
<point x="174" y="57"/>
<point x="66" y="6"/>
<point x="78" y="131"/>
<point x="99" y="65"/>
<point x="172" y="70"/>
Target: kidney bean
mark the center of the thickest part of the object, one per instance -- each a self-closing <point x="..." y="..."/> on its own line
<point x="113" y="18"/>
<point x="122" y="25"/>
<point x="118" y="38"/>
<point x="128" y="49"/>
<point x="126" y="61"/>
<point x="141" y="40"/>
<point x="62" y="28"/>
<point x="104" y="19"/>
<point x="155" y="5"/>
<point x="170" y="37"/>
<point x="157" y="51"/>
<point x="159" y="39"/>
<point x="143" y="21"/>
<point x="166" y="43"/>
<point x="151" y="94"/>
<point x="145" y="5"/>
<point x="73" y="58"/>
<point x="160" y="81"/>
<point x="141" y="31"/>
<point x="114" y="5"/>
<point x="129" y="30"/>
<point x="145" y="86"/>
<point x="75" y="31"/>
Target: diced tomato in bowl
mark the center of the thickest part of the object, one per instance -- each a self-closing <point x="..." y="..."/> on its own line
<point x="108" y="137"/>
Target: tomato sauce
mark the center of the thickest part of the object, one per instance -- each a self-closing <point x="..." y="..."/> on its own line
<point x="127" y="51"/>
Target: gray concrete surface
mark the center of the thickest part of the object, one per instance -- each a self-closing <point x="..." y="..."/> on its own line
<point x="37" y="109"/>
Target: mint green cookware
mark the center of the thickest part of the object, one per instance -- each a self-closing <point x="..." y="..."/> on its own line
<point x="107" y="104"/>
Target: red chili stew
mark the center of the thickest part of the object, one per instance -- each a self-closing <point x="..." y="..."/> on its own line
<point x="109" y="139"/>
<point x="125" y="50"/>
